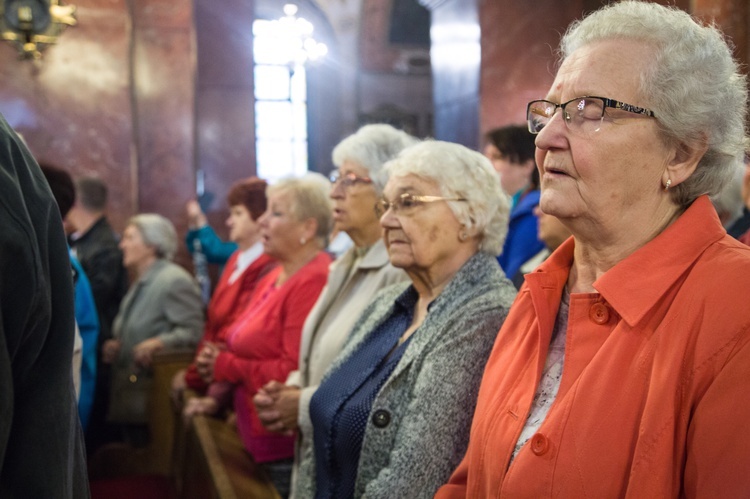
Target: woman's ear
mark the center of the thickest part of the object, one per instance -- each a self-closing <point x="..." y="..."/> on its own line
<point x="310" y="228"/>
<point x="684" y="160"/>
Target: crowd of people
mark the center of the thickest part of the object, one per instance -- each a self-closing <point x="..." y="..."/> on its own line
<point x="564" y="315"/>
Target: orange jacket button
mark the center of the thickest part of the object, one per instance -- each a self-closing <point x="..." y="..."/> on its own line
<point x="599" y="313"/>
<point x="539" y="444"/>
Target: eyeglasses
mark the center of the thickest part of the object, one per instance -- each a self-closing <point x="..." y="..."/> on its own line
<point x="347" y="179"/>
<point x="582" y="115"/>
<point x="407" y="202"/>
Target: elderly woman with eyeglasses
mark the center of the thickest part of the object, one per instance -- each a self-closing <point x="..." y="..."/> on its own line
<point x="392" y="414"/>
<point x="353" y="280"/>
<point x="623" y="369"/>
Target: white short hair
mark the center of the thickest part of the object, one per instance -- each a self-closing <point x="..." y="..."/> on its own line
<point x="156" y="232"/>
<point x="461" y="173"/>
<point x="371" y="147"/>
<point x="693" y="85"/>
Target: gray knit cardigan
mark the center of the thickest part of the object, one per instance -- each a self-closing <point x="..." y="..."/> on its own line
<point x="428" y="401"/>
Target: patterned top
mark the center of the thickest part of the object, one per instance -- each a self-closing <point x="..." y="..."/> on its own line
<point x="551" y="376"/>
<point x="341" y="406"/>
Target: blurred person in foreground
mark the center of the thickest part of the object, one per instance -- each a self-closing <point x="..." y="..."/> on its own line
<point x="391" y="416"/>
<point x="624" y="366"/>
<point x="353" y="279"/>
<point x="244" y="269"/>
<point x="161" y="309"/>
<point x="87" y="320"/>
<point x="511" y="151"/>
<point x="263" y="343"/>
<point x="41" y="443"/>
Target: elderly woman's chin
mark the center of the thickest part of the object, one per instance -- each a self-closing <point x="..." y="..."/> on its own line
<point x="400" y="255"/>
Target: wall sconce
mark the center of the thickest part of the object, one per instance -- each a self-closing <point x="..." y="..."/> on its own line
<point x="31" y="25"/>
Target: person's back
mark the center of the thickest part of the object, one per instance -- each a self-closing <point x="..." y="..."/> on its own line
<point x="41" y="451"/>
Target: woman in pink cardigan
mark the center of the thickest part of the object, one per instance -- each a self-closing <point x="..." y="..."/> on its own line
<point x="263" y="343"/>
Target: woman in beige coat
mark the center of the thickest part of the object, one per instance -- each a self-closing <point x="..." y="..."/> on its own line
<point x="353" y="281"/>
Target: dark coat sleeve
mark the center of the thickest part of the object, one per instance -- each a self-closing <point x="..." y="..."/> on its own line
<point x="41" y="451"/>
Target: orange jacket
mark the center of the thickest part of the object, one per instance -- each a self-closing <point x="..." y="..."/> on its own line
<point x="654" y="399"/>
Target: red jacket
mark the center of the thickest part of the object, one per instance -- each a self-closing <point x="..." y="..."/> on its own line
<point x="263" y="345"/>
<point x="228" y="302"/>
<point x="654" y="397"/>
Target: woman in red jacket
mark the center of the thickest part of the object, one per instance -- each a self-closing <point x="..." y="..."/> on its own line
<point x="263" y="343"/>
<point x="243" y="271"/>
<point x="623" y="368"/>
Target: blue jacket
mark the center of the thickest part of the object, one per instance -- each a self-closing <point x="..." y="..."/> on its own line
<point x="88" y="325"/>
<point x="216" y="250"/>
<point x="522" y="241"/>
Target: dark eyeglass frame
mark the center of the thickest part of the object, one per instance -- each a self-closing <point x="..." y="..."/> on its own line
<point x="606" y="103"/>
<point x="347" y="179"/>
<point x="401" y="203"/>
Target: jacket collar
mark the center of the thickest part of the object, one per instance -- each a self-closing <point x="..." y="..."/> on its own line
<point x="635" y="284"/>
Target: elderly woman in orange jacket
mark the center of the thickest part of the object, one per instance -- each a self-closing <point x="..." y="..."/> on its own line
<point x="623" y="368"/>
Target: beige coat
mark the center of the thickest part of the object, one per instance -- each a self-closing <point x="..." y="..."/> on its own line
<point x="327" y="327"/>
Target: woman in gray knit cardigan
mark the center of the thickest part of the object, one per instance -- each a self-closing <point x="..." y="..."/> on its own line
<point x="391" y="417"/>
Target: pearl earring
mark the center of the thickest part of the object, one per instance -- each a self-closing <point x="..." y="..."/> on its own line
<point x="302" y="241"/>
<point x="669" y="182"/>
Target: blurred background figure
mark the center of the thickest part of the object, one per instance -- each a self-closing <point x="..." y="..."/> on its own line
<point x="263" y="343"/>
<point x="729" y="203"/>
<point x="511" y="151"/>
<point x="353" y="280"/>
<point x="553" y="233"/>
<point x="41" y="443"/>
<point x="87" y="319"/>
<point x="741" y="227"/>
<point x="161" y="309"/>
<point x="202" y="237"/>
<point x="95" y="244"/>
<point x="391" y="416"/>
<point x="244" y="269"/>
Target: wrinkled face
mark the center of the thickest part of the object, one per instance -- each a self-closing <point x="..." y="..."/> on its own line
<point x="280" y="230"/>
<point x="354" y="205"/>
<point x="616" y="173"/>
<point x="513" y="176"/>
<point x="423" y="237"/>
<point x="134" y="250"/>
<point x="242" y="227"/>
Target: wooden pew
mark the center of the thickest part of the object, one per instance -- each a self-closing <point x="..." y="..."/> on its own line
<point x="216" y="465"/>
<point x="119" y="460"/>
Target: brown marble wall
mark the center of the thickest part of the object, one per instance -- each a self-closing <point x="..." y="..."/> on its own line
<point x="163" y="99"/>
<point x="225" y="119"/>
<point x="113" y="98"/>
<point x="74" y="107"/>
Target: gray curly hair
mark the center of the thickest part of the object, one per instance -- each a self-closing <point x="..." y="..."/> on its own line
<point x="693" y="85"/>
<point x="371" y="146"/>
<point x="461" y="173"/>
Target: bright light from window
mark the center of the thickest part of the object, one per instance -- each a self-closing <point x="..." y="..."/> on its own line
<point x="281" y="49"/>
